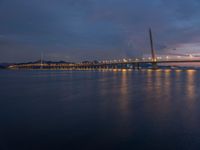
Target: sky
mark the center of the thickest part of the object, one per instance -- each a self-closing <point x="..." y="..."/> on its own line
<point x="77" y="30"/>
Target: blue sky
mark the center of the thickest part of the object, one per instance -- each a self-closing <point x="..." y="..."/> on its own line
<point x="76" y="30"/>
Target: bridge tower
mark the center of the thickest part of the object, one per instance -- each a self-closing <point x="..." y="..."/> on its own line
<point x="153" y="54"/>
<point x="41" y="61"/>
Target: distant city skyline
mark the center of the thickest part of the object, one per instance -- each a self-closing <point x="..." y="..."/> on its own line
<point x="77" y="30"/>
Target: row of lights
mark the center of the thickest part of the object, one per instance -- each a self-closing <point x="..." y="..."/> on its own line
<point x="136" y="59"/>
<point x="125" y="60"/>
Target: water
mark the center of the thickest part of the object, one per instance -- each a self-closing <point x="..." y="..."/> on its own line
<point x="92" y="110"/>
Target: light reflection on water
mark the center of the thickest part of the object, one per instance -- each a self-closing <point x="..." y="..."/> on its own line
<point x="191" y="84"/>
<point x="123" y="98"/>
<point x="112" y="109"/>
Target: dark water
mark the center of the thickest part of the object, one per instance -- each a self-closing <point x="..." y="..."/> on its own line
<point x="90" y="110"/>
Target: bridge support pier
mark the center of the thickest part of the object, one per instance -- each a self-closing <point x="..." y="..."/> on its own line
<point x="154" y="65"/>
<point x="138" y="66"/>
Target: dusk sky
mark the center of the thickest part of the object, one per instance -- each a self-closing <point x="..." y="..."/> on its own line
<point x="76" y="30"/>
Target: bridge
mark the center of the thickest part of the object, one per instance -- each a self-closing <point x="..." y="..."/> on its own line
<point x="131" y="63"/>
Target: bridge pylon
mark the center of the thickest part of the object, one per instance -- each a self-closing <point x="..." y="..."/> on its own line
<point x="153" y="54"/>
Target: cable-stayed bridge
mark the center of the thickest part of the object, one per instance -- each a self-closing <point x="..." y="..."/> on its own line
<point x="127" y="63"/>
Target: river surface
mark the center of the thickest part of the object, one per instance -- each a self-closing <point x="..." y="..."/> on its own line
<point x="106" y="110"/>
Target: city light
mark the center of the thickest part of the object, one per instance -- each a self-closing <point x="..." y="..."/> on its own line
<point x="124" y="60"/>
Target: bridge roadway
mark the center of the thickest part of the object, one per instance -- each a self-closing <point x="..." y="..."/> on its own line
<point x="111" y="64"/>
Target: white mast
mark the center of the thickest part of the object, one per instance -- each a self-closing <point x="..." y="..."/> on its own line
<point x="41" y="61"/>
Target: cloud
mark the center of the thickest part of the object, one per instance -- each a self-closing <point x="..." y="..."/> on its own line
<point x="74" y="30"/>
